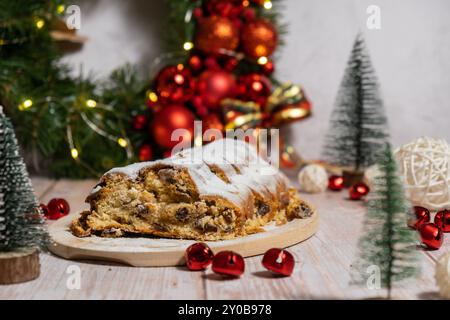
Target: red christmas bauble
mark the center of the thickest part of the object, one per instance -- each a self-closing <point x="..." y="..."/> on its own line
<point x="230" y="64"/>
<point x="215" y="85"/>
<point x="335" y="183"/>
<point x="223" y="8"/>
<point x="249" y="14"/>
<point x="228" y="263"/>
<point x="198" y="256"/>
<point x="174" y="84"/>
<point x="279" y="261"/>
<point x="44" y="210"/>
<point x="258" y="39"/>
<point x="431" y="235"/>
<point x="268" y="68"/>
<point x="145" y="153"/>
<point x="168" y="119"/>
<point x="254" y="87"/>
<point x="357" y="191"/>
<point x="197" y="13"/>
<point x="422" y="215"/>
<point x="195" y="63"/>
<point x="58" y="208"/>
<point x="442" y="220"/>
<point x="215" y="33"/>
<point x="140" y="122"/>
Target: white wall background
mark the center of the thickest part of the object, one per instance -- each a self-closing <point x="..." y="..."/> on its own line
<point x="411" y="54"/>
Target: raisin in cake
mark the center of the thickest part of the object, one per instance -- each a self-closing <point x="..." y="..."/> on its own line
<point x="220" y="191"/>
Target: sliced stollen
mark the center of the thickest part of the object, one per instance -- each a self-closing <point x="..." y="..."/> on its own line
<point x="220" y="191"/>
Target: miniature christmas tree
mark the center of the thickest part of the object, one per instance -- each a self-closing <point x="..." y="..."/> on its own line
<point x="21" y="225"/>
<point x="387" y="243"/>
<point x="358" y="126"/>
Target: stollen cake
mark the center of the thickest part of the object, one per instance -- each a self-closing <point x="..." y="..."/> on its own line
<point x="220" y="191"/>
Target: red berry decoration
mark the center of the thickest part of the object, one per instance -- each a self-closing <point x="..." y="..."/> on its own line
<point x="442" y="220"/>
<point x="195" y="63"/>
<point x="335" y="183"/>
<point x="58" y="208"/>
<point x="228" y="263"/>
<point x="279" y="261"/>
<point x="174" y="84"/>
<point x="357" y="191"/>
<point x="431" y="235"/>
<point x="198" y="256"/>
<point x="145" y="153"/>
<point x="422" y="216"/>
<point x="268" y="68"/>
<point x="140" y="122"/>
<point x="254" y="87"/>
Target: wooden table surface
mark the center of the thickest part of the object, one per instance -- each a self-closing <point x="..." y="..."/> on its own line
<point x="323" y="265"/>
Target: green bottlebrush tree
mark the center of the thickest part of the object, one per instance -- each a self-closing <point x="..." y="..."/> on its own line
<point x="387" y="243"/>
<point x="358" y="125"/>
<point x="21" y="224"/>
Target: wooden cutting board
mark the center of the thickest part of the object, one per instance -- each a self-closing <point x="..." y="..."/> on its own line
<point x="158" y="252"/>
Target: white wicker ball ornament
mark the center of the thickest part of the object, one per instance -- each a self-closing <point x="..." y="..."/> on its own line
<point x="313" y="179"/>
<point x="425" y="166"/>
<point x="443" y="275"/>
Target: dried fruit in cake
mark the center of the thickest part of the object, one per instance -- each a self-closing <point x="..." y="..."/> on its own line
<point x="221" y="191"/>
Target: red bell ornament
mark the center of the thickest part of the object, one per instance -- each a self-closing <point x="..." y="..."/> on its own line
<point x="58" y="208"/>
<point x="335" y="183"/>
<point x="431" y="235"/>
<point x="198" y="256"/>
<point x="422" y="215"/>
<point x="442" y="220"/>
<point x="357" y="191"/>
<point x="228" y="263"/>
<point x="279" y="261"/>
<point x="169" y="119"/>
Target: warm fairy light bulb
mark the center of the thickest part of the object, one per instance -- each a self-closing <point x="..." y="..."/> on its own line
<point x="91" y="103"/>
<point x="60" y="9"/>
<point x="74" y="153"/>
<point x="122" y="142"/>
<point x="153" y="97"/>
<point x="267" y="4"/>
<point x="25" y="105"/>
<point x="40" y="23"/>
<point x="262" y="60"/>
<point x="188" y="45"/>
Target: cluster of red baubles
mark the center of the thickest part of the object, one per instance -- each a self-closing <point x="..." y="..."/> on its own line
<point x="355" y="192"/>
<point x="229" y="263"/>
<point x="431" y="234"/>
<point x="55" y="209"/>
<point x="227" y="33"/>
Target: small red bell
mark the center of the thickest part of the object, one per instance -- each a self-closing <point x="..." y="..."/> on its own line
<point x="279" y="261"/>
<point x="228" y="263"/>
<point x="58" y="208"/>
<point x="431" y="235"/>
<point x="357" y="191"/>
<point x="442" y="220"/>
<point x="198" y="256"/>
<point x="335" y="183"/>
<point x="422" y="216"/>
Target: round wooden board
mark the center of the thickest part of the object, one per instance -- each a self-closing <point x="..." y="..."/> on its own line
<point x="159" y="252"/>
